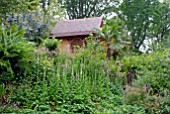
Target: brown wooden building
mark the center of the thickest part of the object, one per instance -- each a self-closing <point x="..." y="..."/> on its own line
<point x="74" y="32"/>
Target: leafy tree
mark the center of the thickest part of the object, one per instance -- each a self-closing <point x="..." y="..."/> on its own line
<point x="53" y="10"/>
<point x="36" y="20"/>
<point x="147" y="20"/>
<point x="38" y="23"/>
<point x="9" y="7"/>
<point x="114" y="34"/>
<point x="87" y="8"/>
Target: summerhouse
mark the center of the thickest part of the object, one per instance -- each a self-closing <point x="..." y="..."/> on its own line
<point x="75" y="32"/>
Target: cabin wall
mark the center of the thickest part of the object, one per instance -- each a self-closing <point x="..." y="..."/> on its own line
<point x="65" y="46"/>
<point x="68" y="44"/>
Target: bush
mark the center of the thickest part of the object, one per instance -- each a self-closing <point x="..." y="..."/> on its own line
<point x="51" y="44"/>
<point x="15" y="53"/>
<point x="36" y="25"/>
<point x="152" y="71"/>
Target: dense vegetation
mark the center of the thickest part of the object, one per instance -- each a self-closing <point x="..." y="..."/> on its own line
<point x="120" y="75"/>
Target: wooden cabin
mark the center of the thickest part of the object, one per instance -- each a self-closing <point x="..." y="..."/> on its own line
<point x="74" y="32"/>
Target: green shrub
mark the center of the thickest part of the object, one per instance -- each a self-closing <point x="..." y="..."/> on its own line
<point x="152" y="72"/>
<point x="51" y="44"/>
<point x="2" y="91"/>
<point x="36" y="25"/>
<point x="15" y="53"/>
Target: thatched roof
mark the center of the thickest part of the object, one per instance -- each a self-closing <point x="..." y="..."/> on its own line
<point x="77" y="27"/>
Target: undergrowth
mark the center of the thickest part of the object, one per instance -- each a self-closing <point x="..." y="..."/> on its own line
<point x="89" y="83"/>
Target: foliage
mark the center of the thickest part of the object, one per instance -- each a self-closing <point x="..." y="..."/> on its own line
<point x="51" y="44"/>
<point x="68" y="85"/>
<point x="113" y="33"/>
<point x="37" y="23"/>
<point x="163" y="45"/>
<point x="84" y="8"/>
<point x="43" y="82"/>
<point x="2" y="90"/>
<point x="15" y="7"/>
<point x="147" y="21"/>
<point x="113" y="30"/>
<point x="83" y="84"/>
<point x="14" y="52"/>
<point x="52" y="9"/>
<point x="153" y="76"/>
<point x="156" y="71"/>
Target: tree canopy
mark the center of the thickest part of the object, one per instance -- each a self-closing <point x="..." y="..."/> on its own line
<point x="87" y="8"/>
<point x="147" y="20"/>
<point x="10" y="7"/>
